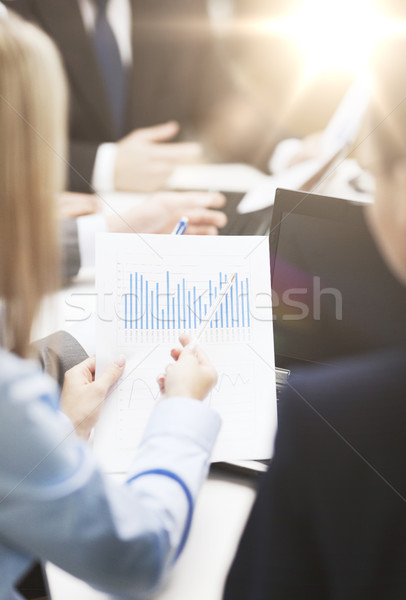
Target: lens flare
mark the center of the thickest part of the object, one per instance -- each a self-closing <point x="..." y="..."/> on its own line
<point x="332" y="34"/>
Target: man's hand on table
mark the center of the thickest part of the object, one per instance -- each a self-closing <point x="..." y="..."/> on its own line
<point x="145" y="160"/>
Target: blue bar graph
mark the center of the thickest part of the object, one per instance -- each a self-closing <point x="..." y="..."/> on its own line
<point x="146" y="305"/>
<point x="186" y="305"/>
<point x="131" y="301"/>
<point x="157" y="305"/>
<point x="178" y="306"/>
<point x="232" y="305"/>
<point x="136" y="300"/>
<point x="141" y="302"/>
<point x="242" y="305"/>
<point x="184" y="302"/>
<point x="248" y="302"/>
<point x="236" y="299"/>
<point x="167" y="296"/>
<point x="194" y="307"/>
<point x="210" y="300"/>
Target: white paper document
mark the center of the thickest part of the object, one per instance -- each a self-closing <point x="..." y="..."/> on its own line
<point x="150" y="288"/>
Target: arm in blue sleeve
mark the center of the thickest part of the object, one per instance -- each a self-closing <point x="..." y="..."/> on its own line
<point x="56" y="505"/>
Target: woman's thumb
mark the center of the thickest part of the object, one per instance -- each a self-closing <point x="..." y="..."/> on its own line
<point x="112" y="373"/>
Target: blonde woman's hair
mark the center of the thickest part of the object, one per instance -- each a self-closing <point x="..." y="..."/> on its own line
<point x="32" y="147"/>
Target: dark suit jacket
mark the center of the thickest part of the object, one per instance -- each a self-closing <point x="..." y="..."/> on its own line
<point x="329" y="520"/>
<point x="176" y="72"/>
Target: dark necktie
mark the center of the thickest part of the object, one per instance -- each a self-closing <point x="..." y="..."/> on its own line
<point x="111" y="67"/>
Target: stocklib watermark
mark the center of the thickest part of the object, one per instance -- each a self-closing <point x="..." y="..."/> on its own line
<point x="293" y="304"/>
<point x="311" y="305"/>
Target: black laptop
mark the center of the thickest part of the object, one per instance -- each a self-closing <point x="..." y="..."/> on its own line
<point x="333" y="295"/>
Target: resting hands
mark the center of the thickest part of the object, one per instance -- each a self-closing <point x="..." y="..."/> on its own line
<point x="145" y="159"/>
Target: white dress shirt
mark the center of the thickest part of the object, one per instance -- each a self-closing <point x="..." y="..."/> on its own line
<point x="119" y="18"/>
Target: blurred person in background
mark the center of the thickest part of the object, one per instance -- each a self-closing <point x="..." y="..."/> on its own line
<point x="140" y="73"/>
<point x="329" y="520"/>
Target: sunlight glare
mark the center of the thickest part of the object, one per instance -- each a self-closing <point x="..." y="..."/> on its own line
<point x="335" y="34"/>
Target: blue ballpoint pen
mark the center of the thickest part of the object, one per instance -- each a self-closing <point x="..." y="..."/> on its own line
<point x="181" y="226"/>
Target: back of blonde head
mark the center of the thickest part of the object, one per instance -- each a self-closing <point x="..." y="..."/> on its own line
<point x="32" y="149"/>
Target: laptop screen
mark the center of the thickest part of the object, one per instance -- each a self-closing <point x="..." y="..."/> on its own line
<point x="333" y="295"/>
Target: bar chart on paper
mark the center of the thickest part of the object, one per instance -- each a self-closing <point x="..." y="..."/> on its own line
<point x="170" y="301"/>
<point x="152" y="288"/>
